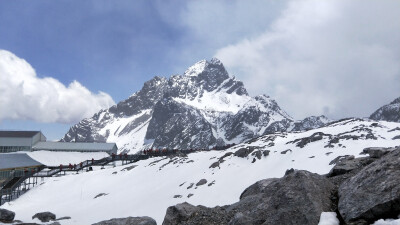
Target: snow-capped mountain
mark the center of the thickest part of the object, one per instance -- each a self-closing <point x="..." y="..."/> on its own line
<point x="389" y="112"/>
<point x="202" y="108"/>
<point x="149" y="187"/>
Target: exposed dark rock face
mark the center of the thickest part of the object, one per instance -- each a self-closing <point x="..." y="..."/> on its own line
<point x="100" y="195"/>
<point x="374" y="192"/>
<point x="257" y="187"/>
<point x="301" y="142"/>
<point x="347" y="164"/>
<point x="258" y="113"/>
<point x="257" y="154"/>
<point x="376" y="152"/>
<point x="6" y="216"/>
<point x="201" y="182"/>
<point x="214" y="165"/>
<point x="220" y="160"/>
<point x="309" y="123"/>
<point x="170" y="118"/>
<point x="188" y="214"/>
<point x="390" y="112"/>
<point x="341" y="158"/>
<point x="300" y="194"/>
<point x="45" y="216"/>
<point x="286" y="151"/>
<point x="145" y="220"/>
<point x="244" y="152"/>
<point x="278" y="126"/>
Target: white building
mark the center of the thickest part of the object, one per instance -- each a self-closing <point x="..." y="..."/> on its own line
<point x="15" y="141"/>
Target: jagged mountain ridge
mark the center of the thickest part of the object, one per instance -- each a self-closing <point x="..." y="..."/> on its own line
<point x="203" y="107"/>
<point x="389" y="112"/>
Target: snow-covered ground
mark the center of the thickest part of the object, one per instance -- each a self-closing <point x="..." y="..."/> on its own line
<point x="149" y="188"/>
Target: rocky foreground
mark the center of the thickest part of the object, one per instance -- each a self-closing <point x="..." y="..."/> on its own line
<point x="359" y="190"/>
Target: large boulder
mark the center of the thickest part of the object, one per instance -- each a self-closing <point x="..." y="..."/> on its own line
<point x="201" y="182"/>
<point x="145" y="220"/>
<point x="347" y="164"/>
<point x="301" y="194"/>
<point x="188" y="214"/>
<point x="257" y="188"/>
<point x="374" y="192"/>
<point x="45" y="216"/>
<point x="244" y="152"/>
<point x="6" y="216"/>
<point x="377" y="152"/>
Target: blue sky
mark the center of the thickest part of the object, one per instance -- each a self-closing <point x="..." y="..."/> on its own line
<point x="298" y="52"/>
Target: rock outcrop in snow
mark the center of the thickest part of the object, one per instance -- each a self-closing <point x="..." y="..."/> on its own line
<point x="389" y="112"/>
<point x="374" y="192"/>
<point x="6" y="216"/>
<point x="364" y="193"/>
<point x="145" y="220"/>
<point x="202" y="108"/>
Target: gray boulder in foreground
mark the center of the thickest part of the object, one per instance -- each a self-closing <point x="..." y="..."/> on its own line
<point x="6" y="216"/>
<point x="45" y="216"/>
<point x="145" y="220"/>
<point x="257" y="188"/>
<point x="185" y="213"/>
<point x="347" y="164"/>
<point x="301" y="194"/>
<point x="374" y="192"/>
<point x="377" y="152"/>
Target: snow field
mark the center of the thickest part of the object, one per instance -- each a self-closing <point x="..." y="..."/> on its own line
<point x="150" y="187"/>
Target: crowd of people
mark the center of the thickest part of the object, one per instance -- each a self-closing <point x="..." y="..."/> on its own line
<point x="147" y="152"/>
<point x="166" y="151"/>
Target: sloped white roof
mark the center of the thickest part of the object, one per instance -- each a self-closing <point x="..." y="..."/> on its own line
<point x="74" y="146"/>
<point x="8" y="161"/>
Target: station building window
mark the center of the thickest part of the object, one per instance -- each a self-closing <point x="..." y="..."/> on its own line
<point x="6" y="149"/>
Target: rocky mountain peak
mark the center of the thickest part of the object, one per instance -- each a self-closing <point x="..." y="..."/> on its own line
<point x="389" y="112"/>
<point x="204" y="65"/>
<point x="216" y="61"/>
<point x="210" y="74"/>
<point x="197" y="68"/>
<point x="396" y="101"/>
<point x="202" y="108"/>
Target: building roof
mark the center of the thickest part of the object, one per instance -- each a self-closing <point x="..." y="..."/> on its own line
<point x="16" y="160"/>
<point x="74" y="146"/>
<point x="20" y="134"/>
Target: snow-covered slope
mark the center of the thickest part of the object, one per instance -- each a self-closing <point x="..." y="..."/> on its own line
<point x="202" y="108"/>
<point x="389" y="112"/>
<point x="50" y="158"/>
<point x="148" y="187"/>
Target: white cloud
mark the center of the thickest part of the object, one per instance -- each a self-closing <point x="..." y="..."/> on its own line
<point x="26" y="96"/>
<point x="340" y="58"/>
